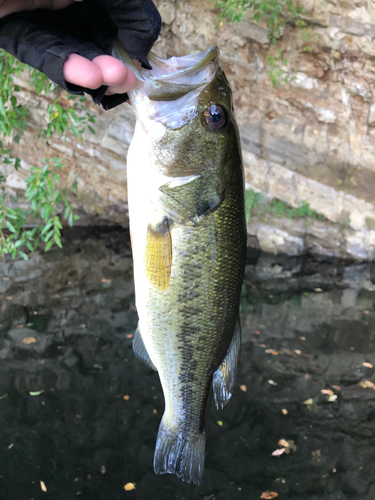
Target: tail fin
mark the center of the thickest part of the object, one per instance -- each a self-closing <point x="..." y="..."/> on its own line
<point x="180" y="455"/>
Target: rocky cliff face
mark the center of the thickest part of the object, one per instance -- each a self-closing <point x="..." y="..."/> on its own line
<point x="310" y="140"/>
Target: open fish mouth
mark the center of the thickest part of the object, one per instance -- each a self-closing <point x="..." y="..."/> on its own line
<point x="168" y="93"/>
<point x="170" y="79"/>
<point x="179" y="76"/>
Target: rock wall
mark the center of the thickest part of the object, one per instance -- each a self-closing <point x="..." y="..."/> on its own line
<point x="310" y="140"/>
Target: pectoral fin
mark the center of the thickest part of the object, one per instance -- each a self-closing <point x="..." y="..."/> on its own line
<point x="140" y="350"/>
<point x="158" y="255"/>
<point x="225" y="376"/>
<point x="193" y="196"/>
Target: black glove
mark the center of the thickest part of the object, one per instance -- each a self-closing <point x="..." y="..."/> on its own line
<point x="44" y="39"/>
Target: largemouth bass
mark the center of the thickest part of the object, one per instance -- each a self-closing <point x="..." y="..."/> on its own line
<point x="187" y="223"/>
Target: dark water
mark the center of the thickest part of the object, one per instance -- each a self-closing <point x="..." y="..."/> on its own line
<point x="66" y="318"/>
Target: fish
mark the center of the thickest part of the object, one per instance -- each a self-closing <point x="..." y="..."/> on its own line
<point x="188" y="233"/>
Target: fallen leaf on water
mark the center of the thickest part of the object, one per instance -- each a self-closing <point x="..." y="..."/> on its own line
<point x="278" y="452"/>
<point x="332" y="398"/>
<point x="129" y="486"/>
<point x="29" y="340"/>
<point x="367" y="384"/>
<point x="284" y="411"/>
<point x="308" y="401"/>
<point x="154" y="411"/>
<point x="272" y="351"/>
<point x="9" y="298"/>
<point x="3" y="396"/>
<point x="287" y="445"/>
<point x="243" y="388"/>
<point x="367" y="365"/>
<point x="337" y="387"/>
<point x="103" y="280"/>
<point x="303" y="338"/>
<point x="327" y="391"/>
<point x="5" y="278"/>
<point x="29" y="324"/>
<point x="257" y="332"/>
<point x="36" y="393"/>
<point x="263" y="345"/>
<point x="56" y="296"/>
<point x="43" y="486"/>
<point x="271" y="382"/>
<point x="129" y="336"/>
<point x="103" y="469"/>
<point x="220" y="423"/>
<point x="366" y="312"/>
<point x="297" y="351"/>
<point x="126" y="397"/>
<point x="267" y="495"/>
<point x="318" y="289"/>
<point x="19" y="326"/>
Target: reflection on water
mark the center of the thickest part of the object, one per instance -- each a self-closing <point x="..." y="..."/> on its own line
<point x="306" y="378"/>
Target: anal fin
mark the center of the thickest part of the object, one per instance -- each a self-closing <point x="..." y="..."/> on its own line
<point x="140" y="350"/>
<point x="225" y="376"/>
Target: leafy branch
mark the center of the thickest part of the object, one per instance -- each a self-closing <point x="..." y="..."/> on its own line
<point x="273" y="13"/>
<point x="21" y="230"/>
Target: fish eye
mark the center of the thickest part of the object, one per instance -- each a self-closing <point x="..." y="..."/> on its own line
<point x="215" y="117"/>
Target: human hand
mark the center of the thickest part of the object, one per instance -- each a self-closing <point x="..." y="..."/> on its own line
<point x="73" y="46"/>
<point x="102" y="70"/>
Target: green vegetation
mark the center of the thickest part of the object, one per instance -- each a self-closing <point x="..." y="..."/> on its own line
<point x="42" y="193"/>
<point x="273" y="13"/>
<point x="256" y="204"/>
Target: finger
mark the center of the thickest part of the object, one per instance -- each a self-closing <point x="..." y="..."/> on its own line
<point x="80" y="71"/>
<point x="115" y="74"/>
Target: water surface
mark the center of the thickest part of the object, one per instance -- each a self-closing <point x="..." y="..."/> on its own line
<point x="79" y="412"/>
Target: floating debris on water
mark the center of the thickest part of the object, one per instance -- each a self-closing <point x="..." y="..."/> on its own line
<point x="29" y="340"/>
<point x="308" y="401"/>
<point x="367" y="365"/>
<point x="36" y="393"/>
<point x="267" y="495"/>
<point x="367" y="384"/>
<point x="129" y="486"/>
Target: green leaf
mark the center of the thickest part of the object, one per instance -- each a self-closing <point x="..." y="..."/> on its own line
<point x="36" y="393"/>
<point x="48" y="246"/>
<point x="10" y="226"/>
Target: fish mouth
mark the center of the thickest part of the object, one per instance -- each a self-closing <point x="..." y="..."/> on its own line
<point x="166" y="96"/>
<point x="175" y="84"/>
<point x="170" y="79"/>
